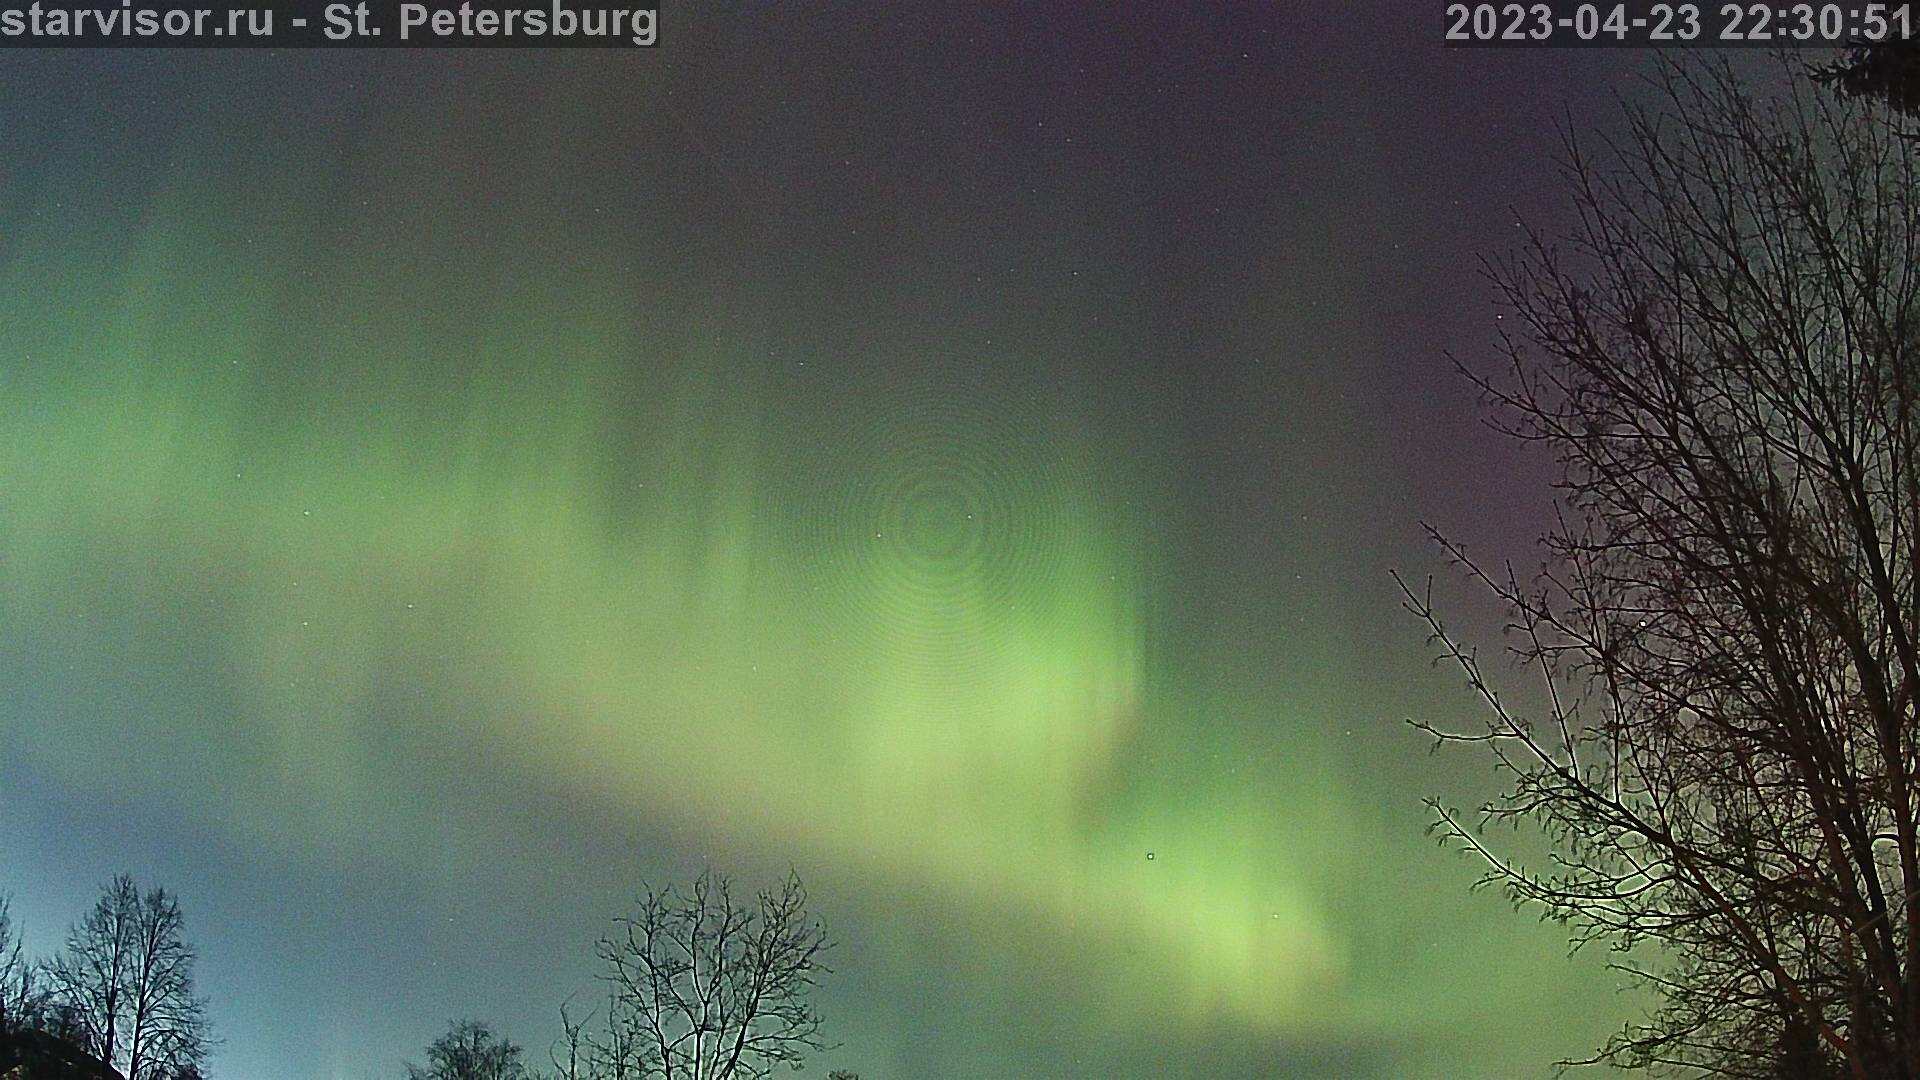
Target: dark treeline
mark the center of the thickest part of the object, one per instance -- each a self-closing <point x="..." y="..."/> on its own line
<point x="116" y="1000"/>
<point x="694" y="982"/>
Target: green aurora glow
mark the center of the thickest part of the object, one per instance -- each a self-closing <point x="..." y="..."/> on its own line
<point x="324" y="453"/>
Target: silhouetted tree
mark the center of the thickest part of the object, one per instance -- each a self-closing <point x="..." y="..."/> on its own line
<point x="1885" y="71"/>
<point x="471" y="1050"/>
<point x="618" y="1051"/>
<point x="125" y="982"/>
<point x="1799" y="1054"/>
<point x="572" y="1053"/>
<point x="705" y="989"/>
<point x="23" y="998"/>
<point x="1723" y="357"/>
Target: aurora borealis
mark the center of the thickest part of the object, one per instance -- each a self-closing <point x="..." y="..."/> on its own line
<point x="956" y="454"/>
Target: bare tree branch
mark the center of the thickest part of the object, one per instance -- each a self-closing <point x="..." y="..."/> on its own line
<point x="704" y="988"/>
<point x="1721" y="355"/>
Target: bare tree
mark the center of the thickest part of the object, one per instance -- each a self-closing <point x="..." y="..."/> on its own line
<point x="471" y="1050"/>
<point x="1724" y="357"/>
<point x="125" y="981"/>
<point x="619" y="1052"/>
<point x="705" y="989"/>
<point x="572" y="1053"/>
<point x="23" y="999"/>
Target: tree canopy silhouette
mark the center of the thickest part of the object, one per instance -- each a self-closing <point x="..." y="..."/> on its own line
<point x="1888" y="71"/>
<point x="702" y="987"/>
<point x="1722" y="356"/>
<point x="471" y="1050"/>
<point x="23" y="999"/>
<point x="124" y="985"/>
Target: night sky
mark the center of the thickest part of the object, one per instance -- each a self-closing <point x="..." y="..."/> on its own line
<point x="957" y="453"/>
